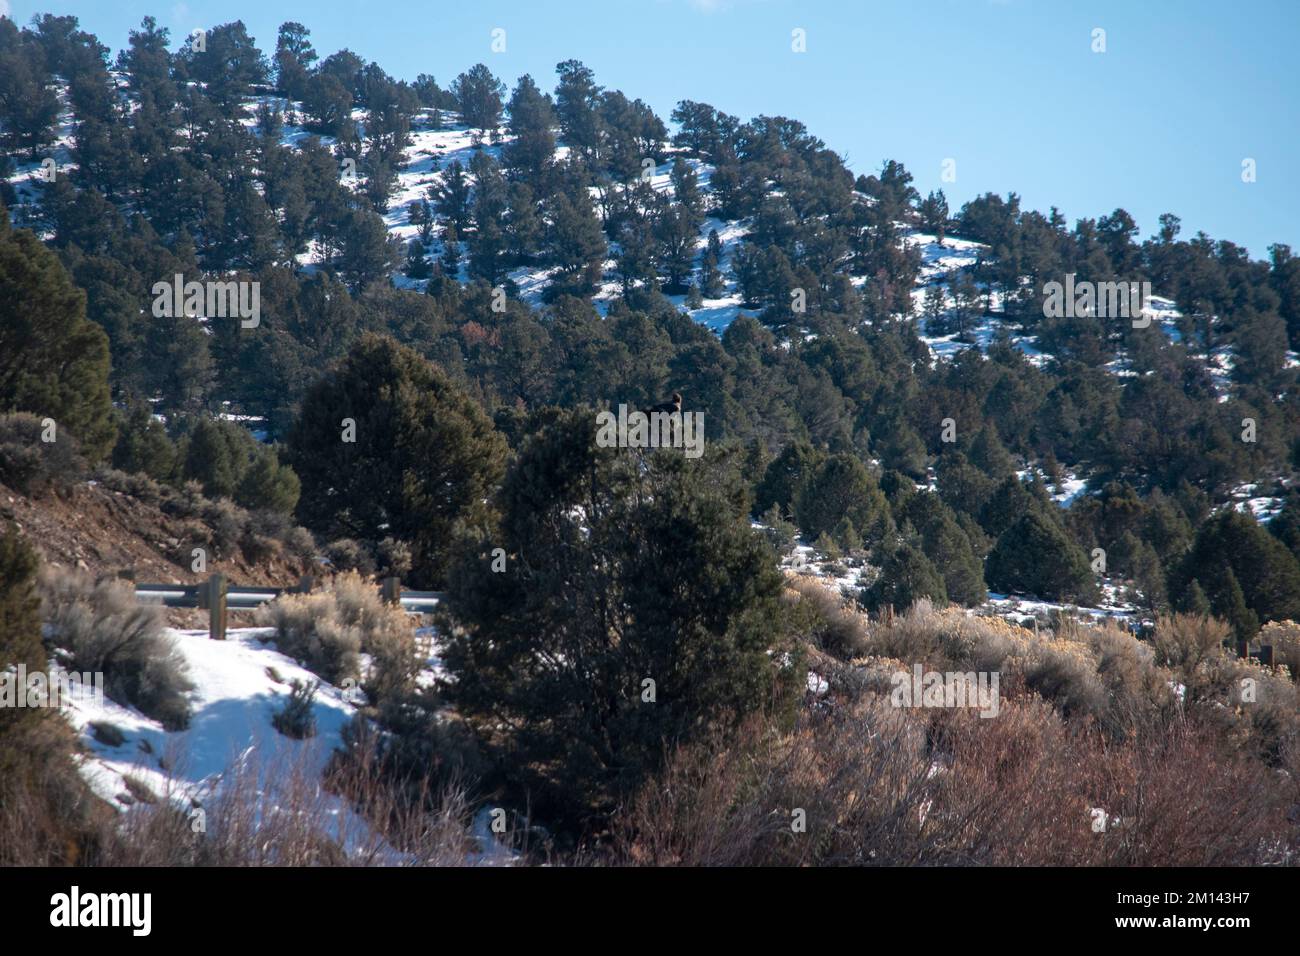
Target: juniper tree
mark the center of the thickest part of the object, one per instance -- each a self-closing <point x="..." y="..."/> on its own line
<point x="906" y="576"/>
<point x="53" y="362"/>
<point x="842" y="487"/>
<point x="387" y="445"/>
<point x="636" y="612"/>
<point x="1035" y="556"/>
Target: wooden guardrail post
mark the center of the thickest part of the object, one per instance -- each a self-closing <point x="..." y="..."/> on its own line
<point x="217" y="607"/>
<point x="391" y="590"/>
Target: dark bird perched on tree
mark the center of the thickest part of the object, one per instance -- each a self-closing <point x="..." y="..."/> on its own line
<point x="672" y="406"/>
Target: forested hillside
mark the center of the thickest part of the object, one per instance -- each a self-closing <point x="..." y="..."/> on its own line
<point x="451" y="278"/>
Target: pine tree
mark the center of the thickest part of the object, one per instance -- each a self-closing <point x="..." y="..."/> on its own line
<point x="948" y="547"/>
<point x="989" y="455"/>
<point x="417" y="262"/>
<point x="574" y="244"/>
<point x="294" y="56"/>
<point x="1232" y="547"/>
<point x="532" y="120"/>
<point x="1232" y="608"/>
<point x="1194" y="600"/>
<point x="694" y="300"/>
<point x="934" y="215"/>
<point x="478" y="97"/>
<point x="711" y="268"/>
<point x="267" y="485"/>
<point x="28" y="105"/>
<point x="450" y="251"/>
<point x="452" y="195"/>
<point x="142" y="444"/>
<point x="214" y="458"/>
<point x="846" y="536"/>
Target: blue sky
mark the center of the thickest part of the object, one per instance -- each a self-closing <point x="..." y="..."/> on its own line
<point x="1010" y="89"/>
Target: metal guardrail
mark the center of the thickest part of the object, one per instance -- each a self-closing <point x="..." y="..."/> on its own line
<point x="218" y="596"/>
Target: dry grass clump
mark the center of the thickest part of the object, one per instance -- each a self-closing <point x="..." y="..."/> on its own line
<point x="1099" y="672"/>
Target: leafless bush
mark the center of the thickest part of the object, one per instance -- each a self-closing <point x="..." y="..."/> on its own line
<point x="133" y="484"/>
<point x="228" y="523"/>
<point x="1027" y="788"/>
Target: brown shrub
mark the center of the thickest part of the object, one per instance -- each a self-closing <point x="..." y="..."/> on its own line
<point x="1183" y="641"/>
<point x="330" y="628"/>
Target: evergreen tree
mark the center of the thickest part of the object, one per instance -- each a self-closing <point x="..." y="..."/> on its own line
<point x="451" y="196"/>
<point x="711" y="284"/>
<point x="934" y="215"/>
<point x="906" y="576"/>
<point x="478" y="97"/>
<point x="423" y="460"/>
<point x="28" y="106"/>
<point x="417" y="262"/>
<point x="575" y="659"/>
<point x="532" y="120"/>
<point x="1232" y="547"/>
<point x="1194" y="600"/>
<point x="450" y="259"/>
<point x="1232" y="608"/>
<point x="214" y="457"/>
<point x="784" y="477"/>
<point x="1034" y="556"/>
<point x="294" y="56"/>
<point x="142" y="444"/>
<point x="53" y="362"/>
<point x="267" y="485"/>
<point x="947" y="546"/>
<point x="841" y="487"/>
<point x="574" y="244"/>
<point x="989" y="455"/>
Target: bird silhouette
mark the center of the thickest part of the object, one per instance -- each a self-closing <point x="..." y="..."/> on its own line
<point x="671" y="406"/>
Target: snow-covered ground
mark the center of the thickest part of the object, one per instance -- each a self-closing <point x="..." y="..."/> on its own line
<point x="239" y="685"/>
